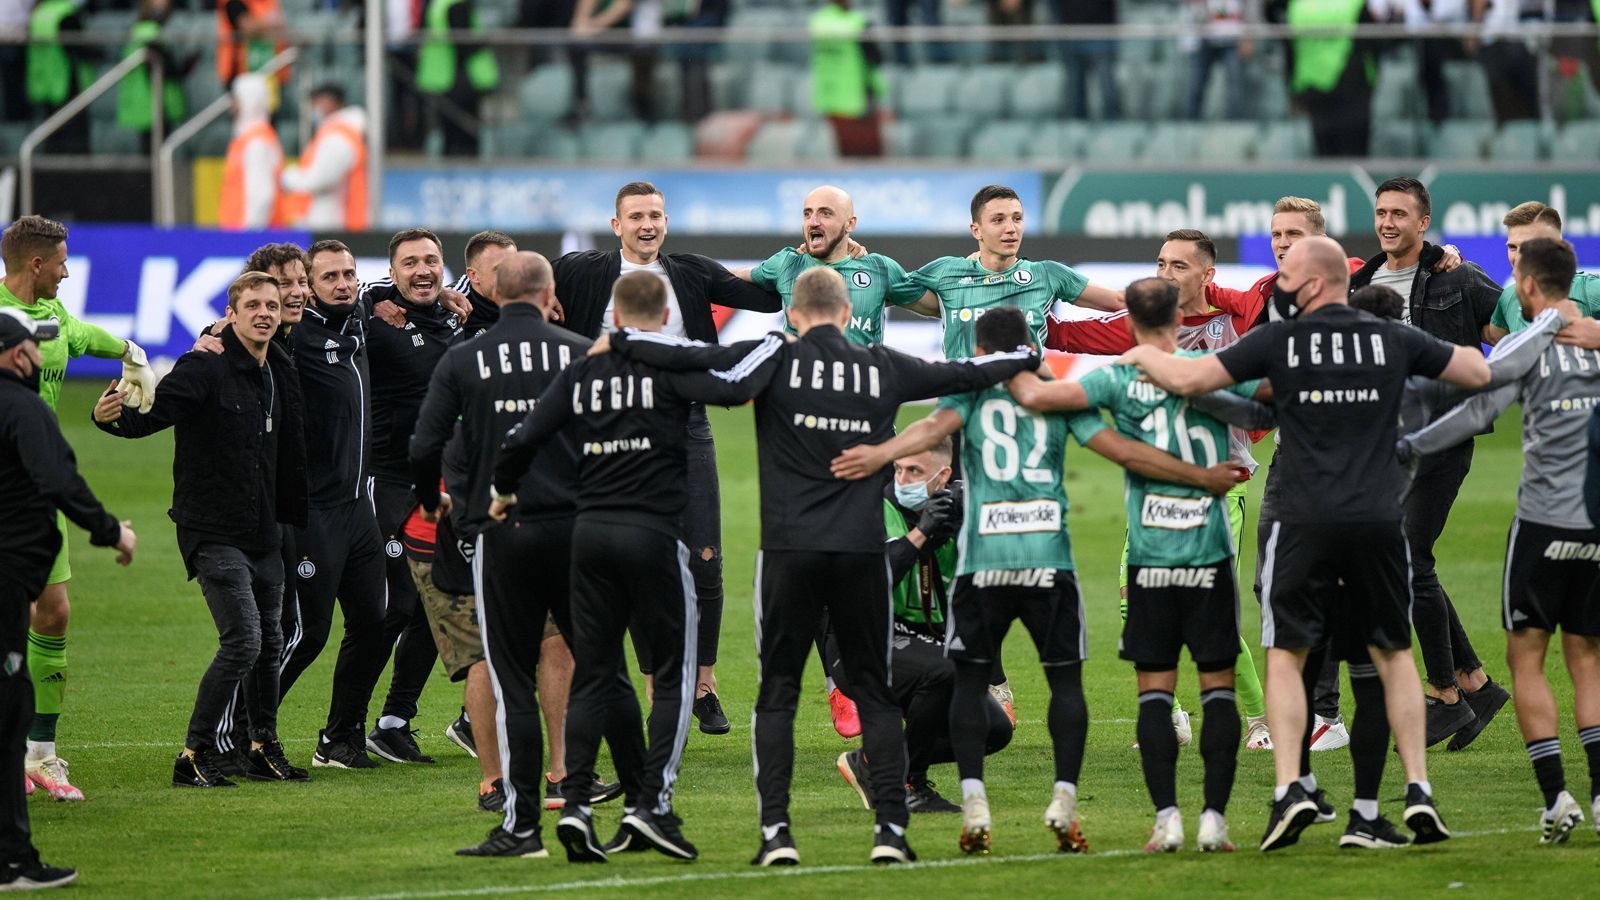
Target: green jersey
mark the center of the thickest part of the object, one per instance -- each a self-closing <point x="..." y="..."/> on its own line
<point x="874" y="281"/>
<point x="966" y="290"/>
<point x="1585" y="292"/>
<point x="76" y="339"/>
<point x="913" y="608"/>
<point x="1016" y="502"/>
<point x="1168" y="524"/>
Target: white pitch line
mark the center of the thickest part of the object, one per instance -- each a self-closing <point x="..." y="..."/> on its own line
<point x="619" y="881"/>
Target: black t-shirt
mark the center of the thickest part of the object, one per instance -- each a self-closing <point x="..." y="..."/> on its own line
<point x="1337" y="378"/>
<point x="266" y="535"/>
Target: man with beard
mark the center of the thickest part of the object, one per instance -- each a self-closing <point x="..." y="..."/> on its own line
<point x="583" y="285"/>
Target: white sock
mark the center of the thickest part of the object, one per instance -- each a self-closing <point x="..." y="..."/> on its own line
<point x="1309" y="782"/>
<point x="768" y="832"/>
<point x="1279" y="792"/>
<point x="972" y="787"/>
<point x="1163" y="815"/>
<point x="1069" y="787"/>
<point x="41" y="749"/>
<point x="830" y="685"/>
<point x="1211" y="815"/>
<point x="391" y="722"/>
<point x="1366" y="809"/>
<point x="1426" y="787"/>
<point x="899" y="830"/>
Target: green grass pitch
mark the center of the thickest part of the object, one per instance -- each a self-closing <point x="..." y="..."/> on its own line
<point x="141" y="637"/>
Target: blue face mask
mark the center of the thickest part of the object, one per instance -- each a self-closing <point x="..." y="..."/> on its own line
<point x="913" y="496"/>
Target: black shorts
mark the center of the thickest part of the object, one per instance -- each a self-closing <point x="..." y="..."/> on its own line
<point x="1170" y="608"/>
<point x="1345" y="582"/>
<point x="984" y="605"/>
<point x="1552" y="579"/>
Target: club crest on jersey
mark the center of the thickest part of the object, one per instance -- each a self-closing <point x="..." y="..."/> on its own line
<point x="1214" y="328"/>
<point x="306" y="569"/>
<point x="393" y="548"/>
<point x="861" y="279"/>
<point x="1022" y="276"/>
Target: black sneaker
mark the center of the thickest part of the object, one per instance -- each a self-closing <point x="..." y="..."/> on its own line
<point x="501" y="842"/>
<point x="32" y="875"/>
<point x="626" y="841"/>
<point x="396" y="745"/>
<point x="576" y="832"/>
<point x="493" y="798"/>
<point x="777" y="850"/>
<point x="341" y="754"/>
<point x="1445" y="719"/>
<point x="199" y="770"/>
<point x="1371" y="834"/>
<point x="269" y="764"/>
<point x="888" y="847"/>
<point x="1288" y="818"/>
<point x="708" y="710"/>
<point x="233" y="763"/>
<point x="1423" y="818"/>
<point x="1325" y="813"/>
<point x="921" y="797"/>
<point x="853" y="766"/>
<point x="459" y="733"/>
<point x="662" y="832"/>
<point x="604" y="791"/>
<point x="1485" y="702"/>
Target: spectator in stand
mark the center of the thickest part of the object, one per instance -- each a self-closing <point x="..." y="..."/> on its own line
<point x="249" y="32"/>
<point x="1506" y="59"/>
<point x="455" y="77"/>
<point x="13" y="93"/>
<point x="329" y="186"/>
<point x="694" y="60"/>
<point x="1219" y="24"/>
<point x="594" y="17"/>
<point x="1007" y="14"/>
<point x="1575" y="49"/>
<point x="56" y="71"/>
<point x="1331" y="75"/>
<point x="1083" y="57"/>
<point x="135" y="106"/>
<point x="1432" y="53"/>
<point x="845" y="79"/>
<point x="402" y="19"/>
<point x="249" y="198"/>
<point x="899" y="12"/>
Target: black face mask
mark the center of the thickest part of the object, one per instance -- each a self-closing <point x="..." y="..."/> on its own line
<point x="1283" y="301"/>
<point x="32" y="381"/>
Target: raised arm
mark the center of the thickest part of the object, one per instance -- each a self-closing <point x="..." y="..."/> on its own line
<point x="917" y="379"/>
<point x="1459" y="424"/>
<point x="674" y="354"/>
<point x="1095" y="296"/>
<point x="726" y="288"/>
<point x="862" y="460"/>
<point x="1046" y="396"/>
<point x="1100" y="336"/>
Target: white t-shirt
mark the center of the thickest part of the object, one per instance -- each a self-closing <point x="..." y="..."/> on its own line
<point x="674" y="324"/>
<point x="1400" y="280"/>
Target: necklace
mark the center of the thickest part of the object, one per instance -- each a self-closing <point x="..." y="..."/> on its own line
<point x="272" y="394"/>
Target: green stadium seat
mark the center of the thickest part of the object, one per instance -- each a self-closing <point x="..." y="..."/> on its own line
<point x="668" y="143"/>
<point x="984" y="88"/>
<point x="1037" y="91"/>
<point x="1396" y="94"/>
<point x="728" y="80"/>
<point x="1172" y="143"/>
<point x="1000" y="141"/>
<point x="1519" y="142"/>
<point x="553" y="143"/>
<point x="770" y="88"/>
<point x="1577" y="142"/>
<point x="945" y="138"/>
<point x="1460" y="139"/>
<point x="1226" y="142"/>
<point x="611" y="142"/>
<point x="799" y="140"/>
<point x="1057" y="142"/>
<point x="900" y="138"/>
<point x="610" y="81"/>
<point x="927" y="92"/>
<point x="1285" y="141"/>
<point x="1395" y="139"/>
<point x="972" y="15"/>
<point x="800" y="92"/>
<point x="1115" y="142"/>
<point x="546" y="93"/>
<point x="1468" y="90"/>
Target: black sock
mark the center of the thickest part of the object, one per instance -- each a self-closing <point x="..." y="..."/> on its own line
<point x="1369" y="730"/>
<point x="1068" y="719"/>
<point x="1591" y="745"/>
<point x="968" y="718"/>
<point x="1219" y="745"/>
<point x="1546" y="756"/>
<point x="1158" y="747"/>
<point x="1308" y="679"/>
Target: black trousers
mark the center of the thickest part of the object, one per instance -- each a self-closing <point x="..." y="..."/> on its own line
<point x="16" y="714"/>
<point x="794" y="589"/>
<point x="1341" y="119"/>
<point x="339" y="557"/>
<point x="1325" y="696"/>
<point x="624" y="574"/>
<point x="520" y="573"/>
<point x="245" y="594"/>
<point x="1444" y="643"/>
<point x="405" y="625"/>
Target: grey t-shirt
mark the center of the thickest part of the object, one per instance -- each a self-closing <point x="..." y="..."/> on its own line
<point x="1400" y="280"/>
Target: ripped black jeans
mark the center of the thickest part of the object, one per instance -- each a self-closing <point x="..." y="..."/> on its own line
<point x="245" y="594"/>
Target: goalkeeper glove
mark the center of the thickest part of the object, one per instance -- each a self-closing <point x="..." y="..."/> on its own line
<point x="138" y="379"/>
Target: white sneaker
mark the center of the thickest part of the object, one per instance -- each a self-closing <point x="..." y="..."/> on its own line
<point x="1180" y="724"/>
<point x="1213" y="837"/>
<point x="1559" y="821"/>
<point x="50" y="774"/>
<point x="1061" y="817"/>
<point x="1166" y="837"/>
<point x="1329" y="734"/>
<point x="975" y="824"/>
<point x="1256" y="736"/>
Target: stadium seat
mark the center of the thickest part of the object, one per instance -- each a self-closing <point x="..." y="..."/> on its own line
<point x="984" y="88"/>
<point x="1284" y="141"/>
<point x="945" y="138"/>
<point x="546" y="93"/>
<point x="771" y="88"/>
<point x="728" y="81"/>
<point x="668" y="142"/>
<point x="1394" y="139"/>
<point x="800" y="140"/>
<point x="1058" y="142"/>
<point x="609" y="84"/>
<point x="1172" y="143"/>
<point x="1468" y="90"/>
<point x="1519" y="142"/>
<point x="801" y="93"/>
<point x="1460" y="139"/>
<point x="1000" y="141"/>
<point x="1396" y="95"/>
<point x="1226" y="142"/>
<point x="1577" y="142"/>
<point x="1037" y="91"/>
<point x="611" y="142"/>
<point x="900" y="139"/>
<point x="927" y="92"/>
<point x="1115" y="142"/>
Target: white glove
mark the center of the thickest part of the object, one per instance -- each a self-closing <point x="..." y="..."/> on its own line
<point x="138" y="379"/>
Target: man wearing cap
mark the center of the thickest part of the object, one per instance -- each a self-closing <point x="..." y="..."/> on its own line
<point x="38" y="475"/>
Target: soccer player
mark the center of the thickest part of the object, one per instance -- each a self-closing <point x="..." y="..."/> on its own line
<point x="1188" y="261"/>
<point x="1552" y="580"/>
<point x="488" y="384"/>
<point x="1337" y="377"/>
<point x="1180" y="557"/>
<point x="1525" y="222"/>
<point x="40" y="477"/>
<point x="822" y="538"/>
<point x="34" y="250"/>
<point x="584" y="281"/>
<point x="960" y="289"/>
<point x="827" y="219"/>
<point x="1015" y="562"/>
<point x="630" y="566"/>
<point x="239" y="471"/>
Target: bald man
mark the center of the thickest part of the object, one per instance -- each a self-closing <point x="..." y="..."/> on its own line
<point x="490" y="383"/>
<point x="827" y="219"/>
<point x="1337" y="567"/>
